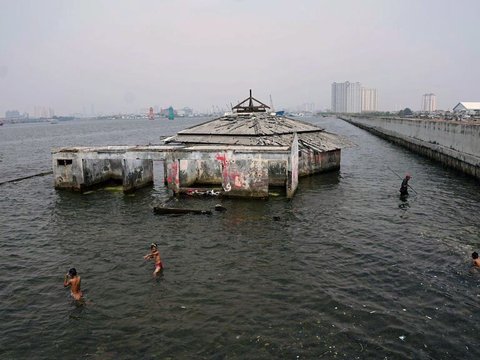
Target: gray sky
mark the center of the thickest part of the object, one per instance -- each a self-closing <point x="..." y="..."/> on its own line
<point x="122" y="56"/>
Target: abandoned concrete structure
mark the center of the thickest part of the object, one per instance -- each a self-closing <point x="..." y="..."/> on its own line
<point x="241" y="154"/>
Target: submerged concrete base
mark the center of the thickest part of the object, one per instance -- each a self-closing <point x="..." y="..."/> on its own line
<point x="82" y="172"/>
<point x="237" y="171"/>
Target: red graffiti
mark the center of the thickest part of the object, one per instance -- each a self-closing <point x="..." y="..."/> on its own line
<point x="173" y="173"/>
<point x="223" y="159"/>
<point x="226" y="180"/>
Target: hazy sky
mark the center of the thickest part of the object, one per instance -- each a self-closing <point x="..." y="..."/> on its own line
<point x="127" y="55"/>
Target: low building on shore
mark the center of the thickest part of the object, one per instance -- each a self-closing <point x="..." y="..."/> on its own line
<point x="467" y="108"/>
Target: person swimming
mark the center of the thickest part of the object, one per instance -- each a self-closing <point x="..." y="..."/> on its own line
<point x="155" y="254"/>
<point x="73" y="280"/>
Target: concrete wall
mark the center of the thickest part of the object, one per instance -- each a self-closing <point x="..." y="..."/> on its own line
<point x="453" y="144"/>
<point x="277" y="172"/>
<point x="245" y="172"/>
<point x="239" y="174"/>
<point x="209" y="172"/>
<point x="97" y="171"/>
<point x="80" y="171"/>
<point x="451" y="134"/>
<point x="67" y="171"/>
<point x="137" y="173"/>
<point x="314" y="162"/>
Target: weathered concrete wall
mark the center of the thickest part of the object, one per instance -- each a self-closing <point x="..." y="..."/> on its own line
<point x="188" y="172"/>
<point x="330" y="160"/>
<point x="83" y="171"/>
<point x="453" y="144"/>
<point x="235" y="171"/>
<point x="314" y="162"/>
<point x="209" y="172"/>
<point x="240" y="174"/>
<point x="97" y="171"/>
<point x="277" y="172"/>
<point x="450" y="134"/>
<point x="137" y="173"/>
<point x="67" y="171"/>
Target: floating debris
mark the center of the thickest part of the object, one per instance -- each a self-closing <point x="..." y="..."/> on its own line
<point x="219" y="207"/>
<point x="159" y="210"/>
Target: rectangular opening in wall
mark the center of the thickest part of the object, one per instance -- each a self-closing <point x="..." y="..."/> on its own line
<point x="64" y="162"/>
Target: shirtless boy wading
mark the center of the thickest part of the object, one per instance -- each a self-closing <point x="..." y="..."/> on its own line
<point x="73" y="280"/>
<point x="155" y="255"/>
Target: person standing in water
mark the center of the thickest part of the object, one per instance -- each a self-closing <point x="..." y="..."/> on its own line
<point x="404" y="186"/>
<point x="72" y="279"/>
<point x="155" y="255"/>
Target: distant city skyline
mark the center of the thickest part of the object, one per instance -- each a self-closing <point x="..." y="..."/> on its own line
<point x="123" y="56"/>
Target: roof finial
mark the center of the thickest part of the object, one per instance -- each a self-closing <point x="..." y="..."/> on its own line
<point x="242" y="108"/>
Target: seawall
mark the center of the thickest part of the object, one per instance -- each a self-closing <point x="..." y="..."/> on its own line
<point x="454" y="144"/>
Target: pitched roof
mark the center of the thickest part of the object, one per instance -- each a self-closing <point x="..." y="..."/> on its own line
<point x="259" y="129"/>
<point x="469" y="105"/>
<point x="250" y="124"/>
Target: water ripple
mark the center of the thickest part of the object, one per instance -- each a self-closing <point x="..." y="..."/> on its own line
<point x="345" y="269"/>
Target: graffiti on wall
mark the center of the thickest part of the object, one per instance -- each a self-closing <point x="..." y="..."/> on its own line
<point x="224" y="163"/>
<point x="173" y="173"/>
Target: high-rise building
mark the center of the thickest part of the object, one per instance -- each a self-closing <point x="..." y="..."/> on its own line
<point x="369" y="100"/>
<point x="429" y="103"/>
<point x="346" y="97"/>
<point x="43" y="112"/>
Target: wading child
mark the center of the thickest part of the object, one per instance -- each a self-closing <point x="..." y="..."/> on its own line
<point x="154" y="254"/>
<point x="476" y="260"/>
<point x="73" y="280"/>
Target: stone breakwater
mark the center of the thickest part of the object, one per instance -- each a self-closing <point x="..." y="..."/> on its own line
<point x="454" y="144"/>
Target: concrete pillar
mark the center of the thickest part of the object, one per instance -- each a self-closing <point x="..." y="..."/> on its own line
<point x="292" y="173"/>
<point x="173" y="174"/>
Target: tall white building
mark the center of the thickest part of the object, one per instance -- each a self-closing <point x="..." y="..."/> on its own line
<point x="429" y="103"/>
<point x="347" y="97"/>
<point x="369" y="100"/>
<point x="43" y="112"/>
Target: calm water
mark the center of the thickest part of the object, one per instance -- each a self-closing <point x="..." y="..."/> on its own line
<point x="349" y="271"/>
